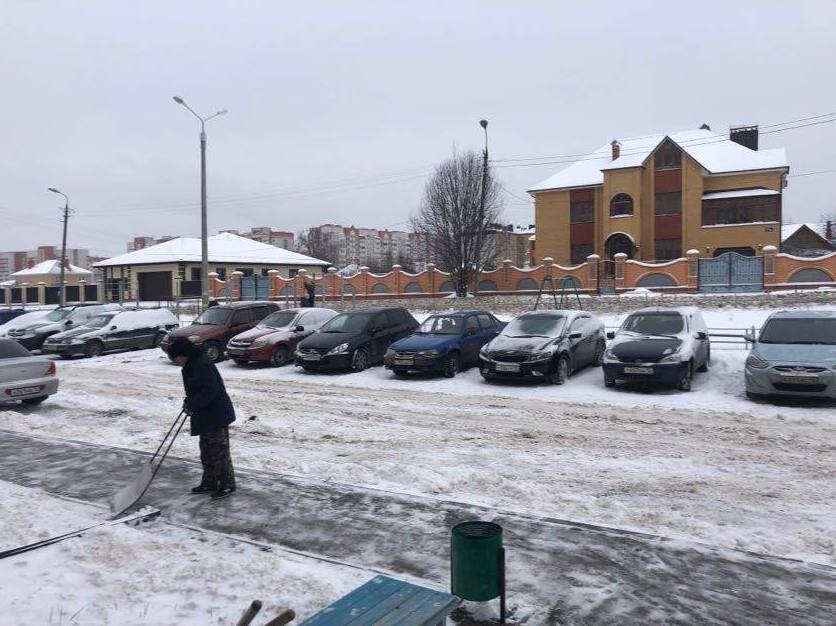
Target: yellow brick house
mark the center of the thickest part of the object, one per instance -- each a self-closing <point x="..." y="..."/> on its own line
<point x="656" y="197"/>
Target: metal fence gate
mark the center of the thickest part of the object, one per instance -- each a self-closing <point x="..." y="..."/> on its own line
<point x="731" y="272"/>
<point x="255" y="287"/>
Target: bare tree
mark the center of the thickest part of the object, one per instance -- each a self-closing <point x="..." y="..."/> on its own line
<point x="319" y="245"/>
<point x="451" y="219"/>
<point x="829" y="221"/>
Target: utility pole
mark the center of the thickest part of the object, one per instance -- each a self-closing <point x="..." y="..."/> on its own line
<point x="62" y="292"/>
<point x="204" y="235"/>
<point x="479" y="242"/>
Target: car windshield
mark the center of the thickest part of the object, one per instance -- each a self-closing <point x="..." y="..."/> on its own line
<point x="347" y="323"/>
<point x="213" y="317"/>
<point x="535" y="325"/>
<point x="58" y="314"/>
<point x="100" y="321"/>
<point x="442" y="325"/>
<point x="654" y="323"/>
<point x="800" y="331"/>
<point x="279" y="319"/>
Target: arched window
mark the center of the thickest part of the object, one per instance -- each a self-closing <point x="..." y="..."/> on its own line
<point x="621" y="204"/>
<point x="413" y="288"/>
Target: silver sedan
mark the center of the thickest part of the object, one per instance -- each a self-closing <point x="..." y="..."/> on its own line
<point x="794" y="355"/>
<point x="23" y="376"/>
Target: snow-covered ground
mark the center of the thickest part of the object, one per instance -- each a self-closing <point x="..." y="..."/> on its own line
<point x="709" y="465"/>
<point x="153" y="573"/>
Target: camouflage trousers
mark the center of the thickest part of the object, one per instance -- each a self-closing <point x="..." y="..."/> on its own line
<point x="216" y="460"/>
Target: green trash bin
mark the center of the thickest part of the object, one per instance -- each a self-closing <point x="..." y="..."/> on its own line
<point x="477" y="561"/>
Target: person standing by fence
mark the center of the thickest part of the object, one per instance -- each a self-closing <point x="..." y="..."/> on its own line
<point x="308" y="284"/>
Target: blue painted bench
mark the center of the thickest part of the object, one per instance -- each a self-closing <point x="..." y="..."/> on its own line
<point x="385" y="601"/>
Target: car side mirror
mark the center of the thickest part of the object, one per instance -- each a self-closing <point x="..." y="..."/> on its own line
<point x="113" y="328"/>
<point x="299" y="329"/>
<point x="575" y="335"/>
<point x="68" y="323"/>
<point x="750" y="337"/>
<point x="611" y="335"/>
<point x="373" y="331"/>
<point x="702" y="335"/>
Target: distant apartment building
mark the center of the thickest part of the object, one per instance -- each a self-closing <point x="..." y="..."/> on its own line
<point x="265" y="234"/>
<point x="377" y="249"/>
<point x="11" y="262"/>
<point x="139" y="243"/>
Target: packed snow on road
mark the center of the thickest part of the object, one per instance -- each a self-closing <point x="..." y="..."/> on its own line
<point x="710" y="466"/>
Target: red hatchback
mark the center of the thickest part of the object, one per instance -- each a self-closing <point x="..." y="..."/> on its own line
<point x="274" y="339"/>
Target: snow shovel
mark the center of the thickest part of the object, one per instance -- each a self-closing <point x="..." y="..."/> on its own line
<point x="130" y="494"/>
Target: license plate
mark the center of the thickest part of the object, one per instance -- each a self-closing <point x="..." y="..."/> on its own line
<point x="23" y="391"/>
<point x="235" y="350"/>
<point x="405" y="360"/>
<point x="312" y="357"/>
<point x="800" y="380"/>
<point x="638" y="370"/>
<point x="507" y="367"/>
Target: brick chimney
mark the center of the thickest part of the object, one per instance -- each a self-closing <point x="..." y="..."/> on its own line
<point x="746" y="136"/>
<point x="616" y="149"/>
<point x="30" y="263"/>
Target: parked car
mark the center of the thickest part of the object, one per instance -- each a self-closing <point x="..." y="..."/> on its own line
<point x="444" y="343"/>
<point x="544" y="345"/>
<point x="274" y="339"/>
<point x="23" y="376"/>
<point x="114" y="330"/>
<point x="218" y="324"/>
<point x="7" y="315"/>
<point x="59" y="319"/>
<point x="794" y="355"/>
<point x="664" y="345"/>
<point x="22" y="321"/>
<point x="354" y="340"/>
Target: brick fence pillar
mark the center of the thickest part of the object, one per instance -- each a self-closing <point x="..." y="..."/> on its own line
<point x="236" y="284"/>
<point x="364" y="279"/>
<point x="396" y="270"/>
<point x="693" y="269"/>
<point x="42" y="293"/>
<point x="331" y="282"/>
<point x="430" y="269"/>
<point x="769" y="254"/>
<point x="273" y="288"/>
<point x="506" y="276"/>
<point x="81" y="285"/>
<point x="620" y="259"/>
<point x="592" y="276"/>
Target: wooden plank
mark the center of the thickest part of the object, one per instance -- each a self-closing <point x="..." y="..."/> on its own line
<point x="424" y="609"/>
<point x="405" y="596"/>
<point x="359" y="601"/>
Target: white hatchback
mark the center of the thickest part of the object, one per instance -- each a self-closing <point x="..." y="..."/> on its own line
<point x="23" y="376"/>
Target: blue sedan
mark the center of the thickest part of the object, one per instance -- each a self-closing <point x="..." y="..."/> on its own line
<point x="445" y="343"/>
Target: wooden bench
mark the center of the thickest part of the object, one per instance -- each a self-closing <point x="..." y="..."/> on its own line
<point x="385" y="601"/>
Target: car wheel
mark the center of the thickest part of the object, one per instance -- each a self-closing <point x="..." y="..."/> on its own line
<point x="685" y="379"/>
<point x="360" y="360"/>
<point x="34" y="401"/>
<point x="212" y="351"/>
<point x="453" y="365"/>
<point x="280" y="356"/>
<point x="598" y="359"/>
<point x="704" y="366"/>
<point x="561" y="370"/>
<point x="93" y="348"/>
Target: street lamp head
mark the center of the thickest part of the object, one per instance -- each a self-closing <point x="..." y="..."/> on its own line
<point x="179" y="100"/>
<point x="53" y="190"/>
<point x="222" y="112"/>
<point x="483" y="123"/>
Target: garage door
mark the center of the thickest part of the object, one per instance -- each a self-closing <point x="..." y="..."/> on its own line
<point x="154" y="285"/>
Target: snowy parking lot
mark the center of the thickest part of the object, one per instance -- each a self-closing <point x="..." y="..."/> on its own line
<point x="709" y="465"/>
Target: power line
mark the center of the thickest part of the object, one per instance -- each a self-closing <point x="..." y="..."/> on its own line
<point x="600" y="154"/>
<point x="811" y="173"/>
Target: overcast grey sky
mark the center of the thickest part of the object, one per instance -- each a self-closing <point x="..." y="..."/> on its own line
<point x="337" y="111"/>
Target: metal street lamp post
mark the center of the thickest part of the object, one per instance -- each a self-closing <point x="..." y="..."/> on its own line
<point x="204" y="242"/>
<point x="61" y="288"/>
<point x="479" y="241"/>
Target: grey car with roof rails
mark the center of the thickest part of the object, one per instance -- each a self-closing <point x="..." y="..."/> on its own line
<point x="793" y="355"/>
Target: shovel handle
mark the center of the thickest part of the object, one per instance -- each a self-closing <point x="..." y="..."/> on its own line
<point x="162" y="443"/>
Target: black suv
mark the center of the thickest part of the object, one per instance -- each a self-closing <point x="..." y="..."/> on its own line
<point x="354" y="340"/>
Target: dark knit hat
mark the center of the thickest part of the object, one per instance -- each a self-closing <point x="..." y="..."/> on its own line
<point x="181" y="346"/>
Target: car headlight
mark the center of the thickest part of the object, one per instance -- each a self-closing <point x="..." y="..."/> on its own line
<point x="429" y="353"/>
<point x="609" y="355"/>
<point x="673" y="357"/>
<point x="389" y="354"/>
<point x="259" y="343"/>
<point x="340" y="349"/>
<point x="483" y="352"/>
<point x="545" y="353"/>
<point x="756" y="362"/>
<point x="194" y="338"/>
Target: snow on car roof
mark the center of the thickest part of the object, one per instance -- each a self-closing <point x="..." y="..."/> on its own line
<point x="223" y="248"/>
<point x="716" y="153"/>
